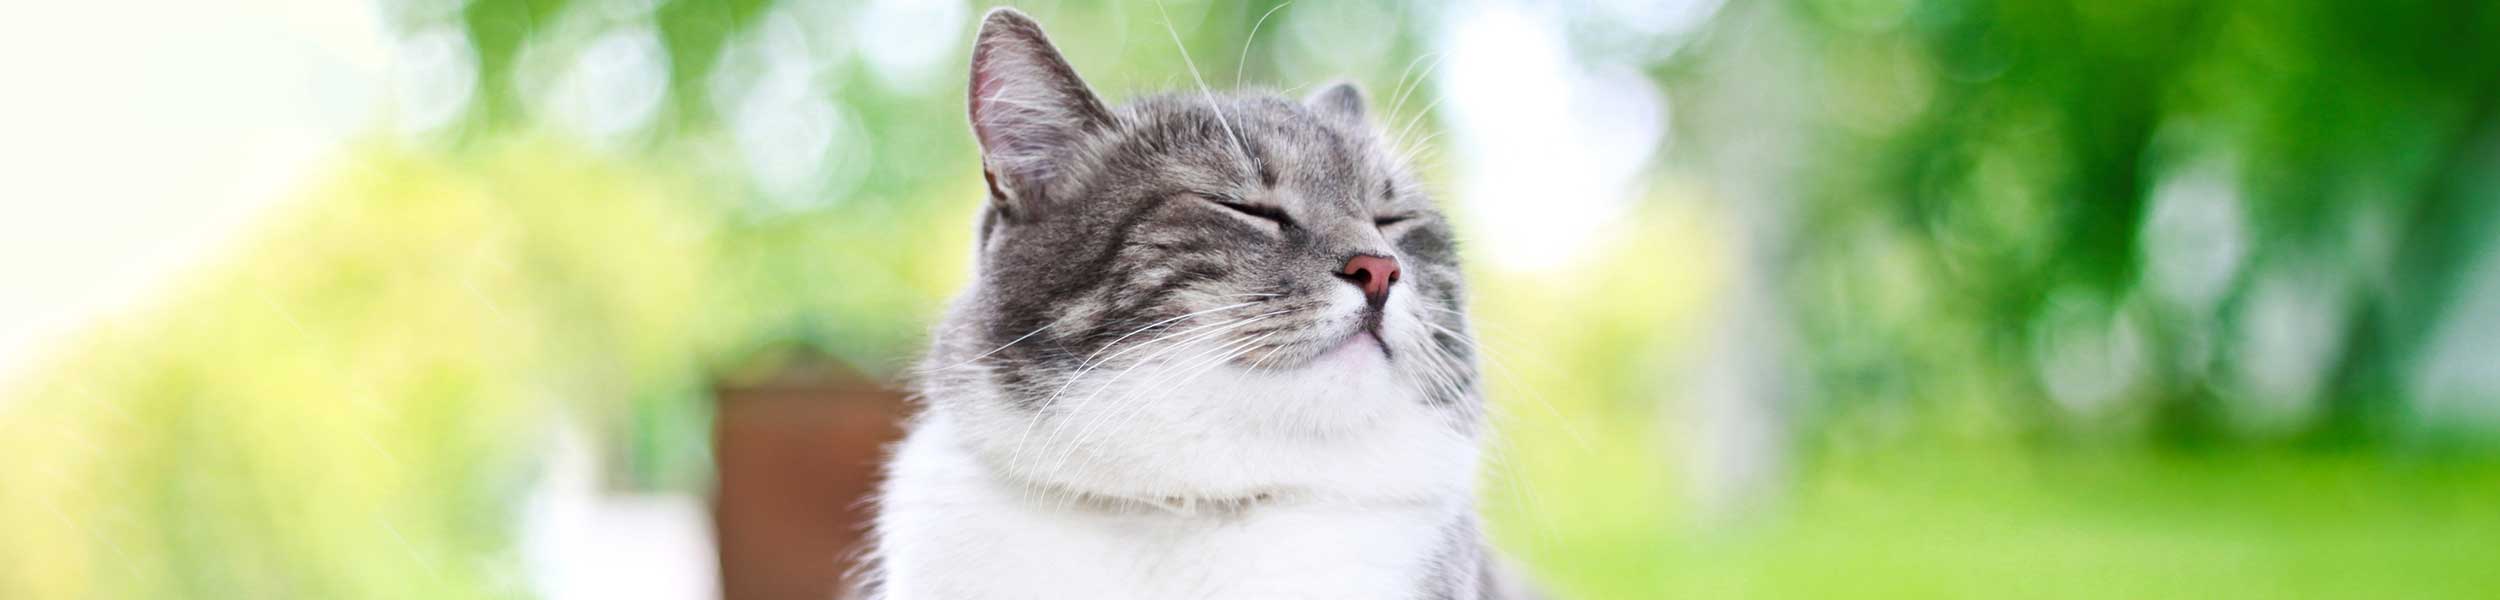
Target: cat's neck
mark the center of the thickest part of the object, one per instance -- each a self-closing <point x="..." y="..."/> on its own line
<point x="947" y="512"/>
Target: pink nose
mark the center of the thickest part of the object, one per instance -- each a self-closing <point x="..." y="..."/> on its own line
<point x="1373" y="273"/>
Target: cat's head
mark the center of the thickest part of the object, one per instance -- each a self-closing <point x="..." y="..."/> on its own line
<point x="1193" y="262"/>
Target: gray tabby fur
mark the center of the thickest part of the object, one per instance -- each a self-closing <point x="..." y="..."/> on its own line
<point x="1105" y="227"/>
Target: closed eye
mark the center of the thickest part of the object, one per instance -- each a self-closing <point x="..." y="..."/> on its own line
<point x="1265" y="213"/>
<point x="1385" y="222"/>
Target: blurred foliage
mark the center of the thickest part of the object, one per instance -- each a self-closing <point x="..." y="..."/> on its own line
<point x="353" y="395"/>
<point x="366" y="387"/>
<point x="2214" y="220"/>
<point x="2029" y="250"/>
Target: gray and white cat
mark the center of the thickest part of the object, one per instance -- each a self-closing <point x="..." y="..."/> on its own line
<point x="1214" y="347"/>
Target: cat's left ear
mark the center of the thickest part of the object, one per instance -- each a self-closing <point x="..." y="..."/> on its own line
<point x="1343" y="100"/>
<point x="1030" y="111"/>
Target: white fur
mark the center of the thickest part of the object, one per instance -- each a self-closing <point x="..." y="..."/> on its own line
<point x="1333" y="480"/>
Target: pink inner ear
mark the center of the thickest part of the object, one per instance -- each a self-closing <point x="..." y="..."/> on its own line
<point x="1013" y="133"/>
<point x="1028" y="107"/>
<point x="985" y="86"/>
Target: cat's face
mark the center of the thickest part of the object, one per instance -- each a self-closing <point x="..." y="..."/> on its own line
<point x="1196" y="255"/>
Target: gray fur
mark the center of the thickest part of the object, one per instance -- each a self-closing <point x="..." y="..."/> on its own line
<point x="1341" y="100"/>
<point x="1106" y="226"/>
<point x="1099" y="225"/>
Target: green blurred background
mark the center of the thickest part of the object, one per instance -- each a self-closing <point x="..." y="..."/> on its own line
<point x="1804" y="298"/>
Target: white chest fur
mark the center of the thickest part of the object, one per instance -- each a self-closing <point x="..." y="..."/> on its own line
<point x="952" y="529"/>
<point x="1365" y="488"/>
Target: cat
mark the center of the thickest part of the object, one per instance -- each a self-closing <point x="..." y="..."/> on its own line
<point x="1214" y="347"/>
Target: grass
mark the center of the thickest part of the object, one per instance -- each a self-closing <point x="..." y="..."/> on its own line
<point x="2124" y="524"/>
<point x="1589" y="491"/>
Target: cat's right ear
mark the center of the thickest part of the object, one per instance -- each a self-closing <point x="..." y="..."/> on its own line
<point x="1342" y="99"/>
<point x="1029" y="110"/>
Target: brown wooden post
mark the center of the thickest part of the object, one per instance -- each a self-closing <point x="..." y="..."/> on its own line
<point x="799" y="456"/>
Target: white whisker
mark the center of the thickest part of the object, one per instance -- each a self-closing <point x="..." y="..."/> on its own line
<point x="1195" y="334"/>
<point x="1509" y="374"/>
<point x="1136" y="396"/>
<point x="1115" y="379"/>
<point x="1419" y="150"/>
<point x="1399" y="99"/>
<point x="1015" y="458"/>
<point x="1192" y="366"/>
<point x="983" y="355"/>
<point x="1089" y="364"/>
<point x="1417" y="118"/>
<point x="1202" y="79"/>
<point x="1242" y="65"/>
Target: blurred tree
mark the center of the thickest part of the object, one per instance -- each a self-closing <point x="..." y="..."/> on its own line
<point x="2200" y="221"/>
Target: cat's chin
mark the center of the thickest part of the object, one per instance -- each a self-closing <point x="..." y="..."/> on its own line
<point x="1356" y="354"/>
